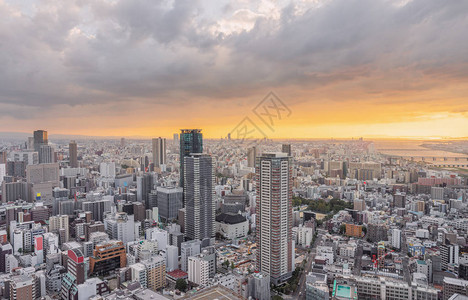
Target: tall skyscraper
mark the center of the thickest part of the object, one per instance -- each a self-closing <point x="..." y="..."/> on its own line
<point x="274" y="216"/>
<point x="159" y="152"/>
<point x="286" y="148"/>
<point x="191" y="141"/>
<point x="73" y="154"/>
<point x="199" y="204"/>
<point x="176" y="139"/>
<point x="251" y="155"/>
<point x="40" y="138"/>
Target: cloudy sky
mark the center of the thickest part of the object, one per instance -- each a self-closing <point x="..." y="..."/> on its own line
<point x="344" y="68"/>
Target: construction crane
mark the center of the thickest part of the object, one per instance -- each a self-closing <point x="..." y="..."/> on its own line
<point x="376" y="260"/>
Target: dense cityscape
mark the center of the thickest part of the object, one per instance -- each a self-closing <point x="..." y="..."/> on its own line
<point x="195" y="218"/>
<point x="233" y="150"/>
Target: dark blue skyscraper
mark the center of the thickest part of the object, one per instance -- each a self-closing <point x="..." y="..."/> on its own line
<point x="191" y="141"/>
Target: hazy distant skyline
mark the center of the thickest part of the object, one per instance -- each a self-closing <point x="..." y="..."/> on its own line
<point x="345" y="68"/>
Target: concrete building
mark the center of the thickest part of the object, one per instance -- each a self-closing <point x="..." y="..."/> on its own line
<point x="198" y="194"/>
<point x="198" y="271"/>
<point x="170" y="200"/>
<point x="274" y="196"/>
<point x="155" y="272"/>
<point x="159" y="152"/>
<point x="73" y="154"/>
<point x="187" y="249"/>
<point x="120" y="227"/>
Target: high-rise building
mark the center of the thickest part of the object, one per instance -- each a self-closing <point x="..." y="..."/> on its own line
<point x="76" y="274"/>
<point x="43" y="173"/>
<point x="199" y="203"/>
<point x="155" y="272"/>
<point x="188" y="249"/>
<point x="198" y="270"/>
<point x="396" y="238"/>
<point x="400" y="200"/>
<point x="274" y="216"/>
<point x="121" y="227"/>
<point x="60" y="222"/>
<point x="159" y="152"/>
<point x="251" y="155"/>
<point x="46" y="154"/>
<point x="40" y="138"/>
<point x="73" y="154"/>
<point x="169" y="202"/>
<point x="286" y="148"/>
<point x="23" y="287"/>
<point x="176" y="139"/>
<point x="144" y="187"/>
<point x="3" y="172"/>
<point x="449" y="255"/>
<point x="191" y="141"/>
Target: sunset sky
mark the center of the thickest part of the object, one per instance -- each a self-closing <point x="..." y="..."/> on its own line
<point x="344" y="68"/>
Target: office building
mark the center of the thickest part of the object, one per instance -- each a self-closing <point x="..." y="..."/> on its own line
<point x="454" y="286"/>
<point x="40" y="138"/>
<point x="437" y="193"/>
<point x="43" y="173"/>
<point x="56" y="223"/>
<point x="274" y="216"/>
<point x="121" y="227"/>
<point x="97" y="208"/>
<point x="399" y="200"/>
<point x="145" y="184"/>
<point x="107" y="257"/>
<point x="76" y="274"/>
<point x="159" y="152"/>
<point x="286" y="148"/>
<point x="13" y="191"/>
<point x="187" y="249"/>
<point x="191" y="141"/>
<point x="199" y="204"/>
<point x="172" y="258"/>
<point x="46" y="154"/>
<point x="251" y="156"/>
<point x="169" y="201"/>
<point x="107" y="169"/>
<point x="73" y="154"/>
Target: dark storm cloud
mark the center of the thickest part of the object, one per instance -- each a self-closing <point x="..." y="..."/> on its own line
<point x="84" y="52"/>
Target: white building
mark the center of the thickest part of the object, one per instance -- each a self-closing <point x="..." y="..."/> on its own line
<point x="120" y="227"/>
<point x="327" y="253"/>
<point x="138" y="272"/>
<point x="107" y="169"/>
<point x="304" y="235"/>
<point x="232" y="226"/>
<point x="396" y="238"/>
<point x="172" y="258"/>
<point x="159" y="235"/>
<point x="2" y="172"/>
<point x="198" y="270"/>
